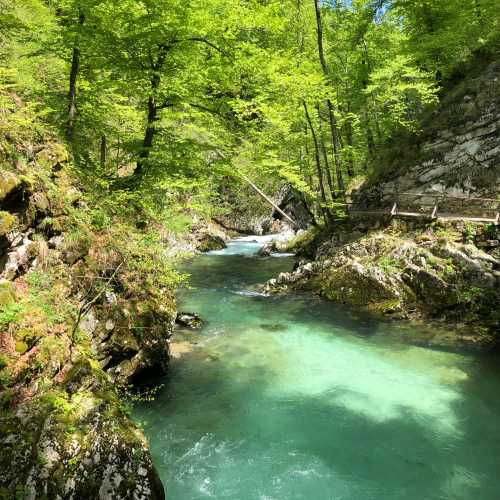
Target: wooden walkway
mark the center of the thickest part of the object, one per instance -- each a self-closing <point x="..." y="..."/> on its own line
<point x="414" y="205"/>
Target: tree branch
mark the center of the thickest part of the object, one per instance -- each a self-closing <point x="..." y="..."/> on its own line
<point x="165" y="105"/>
<point x="204" y="108"/>
<point x="202" y="40"/>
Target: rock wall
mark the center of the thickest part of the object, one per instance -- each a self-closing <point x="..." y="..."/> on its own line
<point x="82" y="316"/>
<point x="458" y="153"/>
<point x="259" y="217"/>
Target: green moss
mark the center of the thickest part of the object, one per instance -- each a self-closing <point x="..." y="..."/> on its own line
<point x="52" y="155"/>
<point x="7" y="223"/>
<point x="21" y="347"/>
<point x="9" y="314"/>
<point x="76" y="245"/>
<point x="301" y="240"/>
<point x="387" y="263"/>
<point x="210" y="242"/>
<point x="8" y="182"/>
<point x="7" y="294"/>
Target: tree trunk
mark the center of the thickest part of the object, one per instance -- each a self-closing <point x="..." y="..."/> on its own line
<point x="349" y="139"/>
<point x="149" y="135"/>
<point x="369" y="139"/>
<point x="324" y="206"/>
<point x="73" y="78"/>
<point x="319" y="33"/>
<point x="331" y="114"/>
<point x="336" y="145"/>
<point x="325" y="156"/>
<point x="103" y="150"/>
<point x="308" y="157"/>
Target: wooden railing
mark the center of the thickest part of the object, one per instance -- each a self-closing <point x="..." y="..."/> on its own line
<point x="427" y="206"/>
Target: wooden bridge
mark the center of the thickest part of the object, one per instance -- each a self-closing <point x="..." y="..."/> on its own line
<point x="427" y="206"/>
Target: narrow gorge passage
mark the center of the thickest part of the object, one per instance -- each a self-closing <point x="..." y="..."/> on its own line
<point x="290" y="397"/>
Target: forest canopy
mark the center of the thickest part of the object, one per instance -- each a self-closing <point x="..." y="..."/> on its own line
<point x="165" y="102"/>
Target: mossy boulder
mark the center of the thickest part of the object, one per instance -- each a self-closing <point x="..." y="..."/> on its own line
<point x="432" y="290"/>
<point x="7" y="223"/>
<point x="52" y="155"/>
<point x="363" y="285"/>
<point x="75" y="247"/>
<point x="76" y="441"/>
<point x="8" y="183"/>
<point x="403" y="272"/>
<point x="208" y="242"/>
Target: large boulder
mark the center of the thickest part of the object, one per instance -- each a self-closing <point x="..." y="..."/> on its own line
<point x="75" y="441"/>
<point x="207" y="242"/>
<point x="8" y="184"/>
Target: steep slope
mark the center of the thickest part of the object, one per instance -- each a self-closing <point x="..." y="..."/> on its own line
<point x="457" y="154"/>
<point x="86" y="309"/>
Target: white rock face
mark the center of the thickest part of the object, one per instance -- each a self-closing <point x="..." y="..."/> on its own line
<point x="458" y="153"/>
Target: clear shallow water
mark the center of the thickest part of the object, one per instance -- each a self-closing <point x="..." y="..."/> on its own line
<point x="293" y="398"/>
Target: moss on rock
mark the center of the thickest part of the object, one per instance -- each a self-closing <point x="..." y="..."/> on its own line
<point x="8" y="182"/>
<point x="402" y="272"/>
<point x="7" y="223"/>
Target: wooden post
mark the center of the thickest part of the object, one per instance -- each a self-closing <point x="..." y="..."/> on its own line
<point x="434" y="212"/>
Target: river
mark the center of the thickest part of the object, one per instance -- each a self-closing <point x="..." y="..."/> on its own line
<point x="291" y="397"/>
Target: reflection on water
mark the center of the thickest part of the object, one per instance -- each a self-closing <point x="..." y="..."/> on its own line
<point x="294" y="398"/>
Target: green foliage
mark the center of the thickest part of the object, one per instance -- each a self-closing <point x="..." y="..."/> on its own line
<point x="9" y="314"/>
<point x="469" y="233"/>
<point x="172" y="98"/>
<point x="388" y="264"/>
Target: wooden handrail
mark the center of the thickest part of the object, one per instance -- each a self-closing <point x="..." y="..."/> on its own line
<point x="435" y="195"/>
<point x="395" y="212"/>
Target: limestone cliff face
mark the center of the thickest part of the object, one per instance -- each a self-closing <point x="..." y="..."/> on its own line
<point x="251" y="214"/>
<point x="458" y="152"/>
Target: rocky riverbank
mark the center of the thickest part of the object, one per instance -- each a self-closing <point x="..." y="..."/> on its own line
<point x="440" y="272"/>
<point x="86" y="311"/>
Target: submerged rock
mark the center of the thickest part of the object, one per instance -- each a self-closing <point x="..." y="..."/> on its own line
<point x="266" y="250"/>
<point x="273" y="327"/>
<point x="189" y="320"/>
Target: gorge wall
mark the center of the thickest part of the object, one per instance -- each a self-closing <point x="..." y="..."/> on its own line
<point x="457" y="154"/>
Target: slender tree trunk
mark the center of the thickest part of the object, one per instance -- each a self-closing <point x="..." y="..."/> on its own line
<point x="349" y="140"/>
<point x="347" y="129"/>
<point x="319" y="33"/>
<point x="103" y="150"/>
<point x="308" y="157"/>
<point x="336" y="145"/>
<point x="369" y="137"/>
<point x="331" y="113"/>
<point x="366" y="113"/>
<point x="324" y="206"/>
<point x="73" y="78"/>
<point x="149" y="135"/>
<point x="325" y="156"/>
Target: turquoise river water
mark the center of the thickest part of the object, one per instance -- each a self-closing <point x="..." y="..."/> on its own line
<point x="284" y="398"/>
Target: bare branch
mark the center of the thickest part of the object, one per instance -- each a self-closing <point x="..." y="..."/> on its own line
<point x="201" y="40"/>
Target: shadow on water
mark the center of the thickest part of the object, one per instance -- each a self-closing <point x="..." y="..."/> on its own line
<point x="289" y="398"/>
<point x="401" y="457"/>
